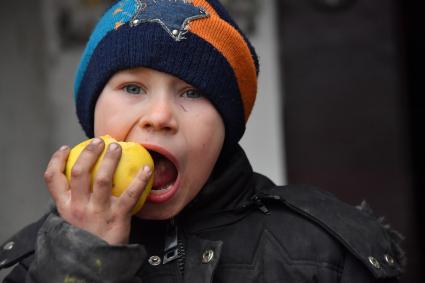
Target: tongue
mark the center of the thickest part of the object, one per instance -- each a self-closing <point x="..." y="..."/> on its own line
<point x="165" y="173"/>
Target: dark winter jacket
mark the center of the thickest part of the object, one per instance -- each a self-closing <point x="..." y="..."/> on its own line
<point x="240" y="228"/>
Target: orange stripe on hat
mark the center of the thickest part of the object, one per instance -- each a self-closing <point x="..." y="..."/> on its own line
<point x="225" y="38"/>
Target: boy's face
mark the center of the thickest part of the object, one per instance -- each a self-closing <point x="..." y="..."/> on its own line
<point x="169" y="117"/>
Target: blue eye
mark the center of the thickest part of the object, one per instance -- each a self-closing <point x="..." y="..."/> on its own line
<point x="133" y="89"/>
<point x="192" y="93"/>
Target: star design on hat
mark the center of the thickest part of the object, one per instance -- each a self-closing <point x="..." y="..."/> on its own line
<point x="173" y="15"/>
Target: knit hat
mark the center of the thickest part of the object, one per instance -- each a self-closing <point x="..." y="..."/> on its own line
<point x="194" y="40"/>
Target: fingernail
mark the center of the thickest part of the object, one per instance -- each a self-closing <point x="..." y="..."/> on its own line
<point x="63" y="148"/>
<point x="147" y="170"/>
<point x="113" y="146"/>
<point x="96" y="141"/>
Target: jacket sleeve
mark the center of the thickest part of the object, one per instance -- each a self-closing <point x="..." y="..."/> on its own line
<point x="65" y="253"/>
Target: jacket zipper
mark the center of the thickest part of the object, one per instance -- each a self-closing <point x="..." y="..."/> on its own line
<point x="174" y="246"/>
<point x="182" y="256"/>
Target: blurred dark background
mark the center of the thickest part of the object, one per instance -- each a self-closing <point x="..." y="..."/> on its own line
<point x="354" y="107"/>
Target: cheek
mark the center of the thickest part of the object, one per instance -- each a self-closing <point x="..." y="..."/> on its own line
<point x="205" y="141"/>
<point x="101" y="119"/>
<point x="109" y="118"/>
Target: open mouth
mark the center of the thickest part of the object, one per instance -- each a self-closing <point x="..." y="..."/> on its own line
<point x="165" y="182"/>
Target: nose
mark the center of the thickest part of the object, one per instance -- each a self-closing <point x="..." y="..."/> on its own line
<point x="159" y="115"/>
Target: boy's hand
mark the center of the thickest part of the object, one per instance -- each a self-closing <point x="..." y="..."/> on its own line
<point x="97" y="211"/>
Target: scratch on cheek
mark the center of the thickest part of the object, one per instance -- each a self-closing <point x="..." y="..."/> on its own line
<point x="184" y="109"/>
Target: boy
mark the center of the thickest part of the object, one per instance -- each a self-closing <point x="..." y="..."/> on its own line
<point x="180" y="78"/>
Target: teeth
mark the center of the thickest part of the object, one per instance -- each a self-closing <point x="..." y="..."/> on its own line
<point x="163" y="188"/>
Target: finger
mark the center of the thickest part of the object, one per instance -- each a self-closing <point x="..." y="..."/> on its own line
<point x="103" y="180"/>
<point x="56" y="181"/>
<point x="131" y="195"/>
<point x="81" y="171"/>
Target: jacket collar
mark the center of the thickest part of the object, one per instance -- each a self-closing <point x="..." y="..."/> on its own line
<point x="227" y="194"/>
<point x="229" y="184"/>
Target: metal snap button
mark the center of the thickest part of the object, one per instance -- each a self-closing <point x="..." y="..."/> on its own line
<point x="207" y="256"/>
<point x="389" y="259"/>
<point x="9" y="245"/>
<point x="154" y="260"/>
<point x="375" y="263"/>
<point x="175" y="32"/>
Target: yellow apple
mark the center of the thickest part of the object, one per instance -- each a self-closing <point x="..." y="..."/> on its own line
<point x="134" y="156"/>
